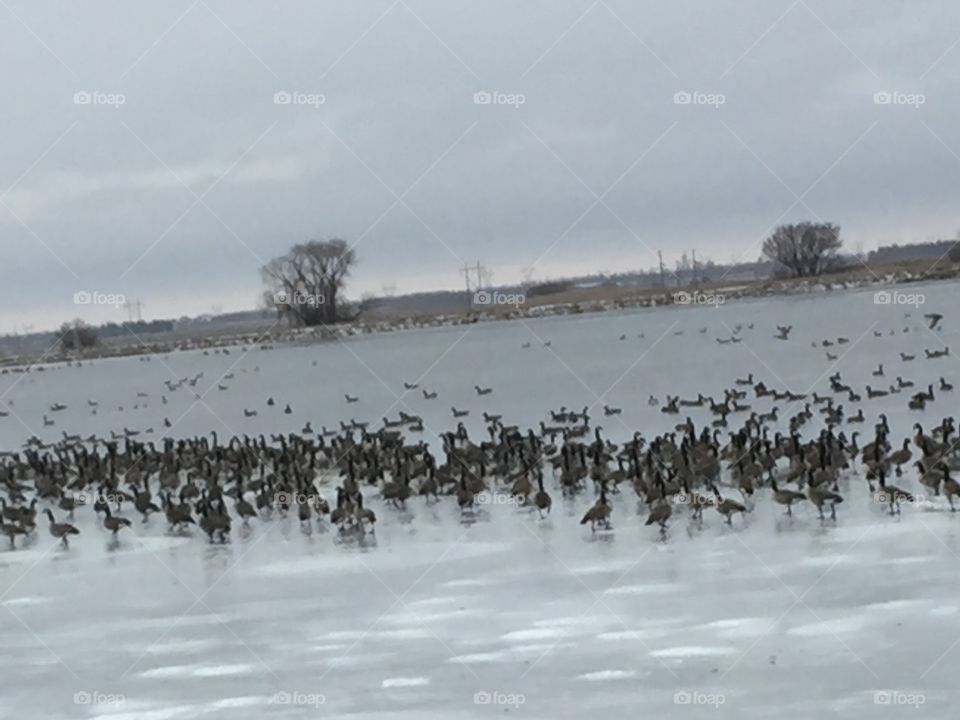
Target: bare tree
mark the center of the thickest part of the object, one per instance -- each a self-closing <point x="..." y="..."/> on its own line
<point x="803" y="250"/>
<point x="77" y="335"/>
<point x="305" y="284"/>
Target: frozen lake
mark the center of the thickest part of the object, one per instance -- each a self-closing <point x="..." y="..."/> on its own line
<point x="507" y="614"/>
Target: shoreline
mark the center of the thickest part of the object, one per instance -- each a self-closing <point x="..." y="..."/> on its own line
<point x="584" y="301"/>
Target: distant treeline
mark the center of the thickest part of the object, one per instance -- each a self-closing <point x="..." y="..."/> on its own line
<point x="138" y="327"/>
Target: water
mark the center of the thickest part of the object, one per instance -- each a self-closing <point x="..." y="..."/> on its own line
<point x="506" y="614"/>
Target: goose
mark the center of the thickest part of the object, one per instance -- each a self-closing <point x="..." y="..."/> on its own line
<point x="901" y="457"/>
<point x="786" y="497"/>
<point x="748" y="380"/>
<point x="934" y="320"/>
<point x="60" y="530"/>
<point x="607" y="410"/>
<point x="821" y="496"/>
<point x="659" y="514"/>
<point x="465" y="495"/>
<point x="287" y="410"/>
<point x="47" y="421"/>
<point x="879" y="371"/>
<point x="459" y="413"/>
<point x="929" y="478"/>
<point x="901" y="383"/>
<point x="951" y="488"/>
<point x="482" y="391"/>
<point x="351" y="398"/>
<point x="726" y="506"/>
<point x="599" y="513"/>
<point x="945" y="386"/>
<point x="906" y="358"/>
<point x="114" y="523"/>
<point x="783" y="332"/>
<point x="270" y="402"/>
<point x="244" y="509"/>
<point x="891" y="495"/>
<point x="858" y="418"/>
<point x="652" y="401"/>
<point x="541" y="500"/>
<point x="933" y="354"/>
<point x="11" y="530"/>
<point x="429" y="395"/>
<point x="249" y="413"/>
<point x="871" y="393"/>
<point x="410" y="386"/>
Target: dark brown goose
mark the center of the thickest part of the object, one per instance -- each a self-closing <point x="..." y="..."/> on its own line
<point x="60" y="530"/>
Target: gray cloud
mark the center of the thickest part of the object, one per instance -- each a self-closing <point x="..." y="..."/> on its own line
<point x="400" y="159"/>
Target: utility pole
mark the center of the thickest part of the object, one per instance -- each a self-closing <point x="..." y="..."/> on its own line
<point x="663" y="283"/>
<point x="482" y="275"/>
<point x="465" y="271"/>
<point x="696" y="280"/>
<point x="134" y="308"/>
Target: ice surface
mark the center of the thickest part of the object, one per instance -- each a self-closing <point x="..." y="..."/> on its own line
<point x="433" y="616"/>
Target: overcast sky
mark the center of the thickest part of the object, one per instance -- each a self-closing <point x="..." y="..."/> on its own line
<point x="144" y="150"/>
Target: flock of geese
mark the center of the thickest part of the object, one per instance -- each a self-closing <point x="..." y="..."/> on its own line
<point x="733" y="458"/>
